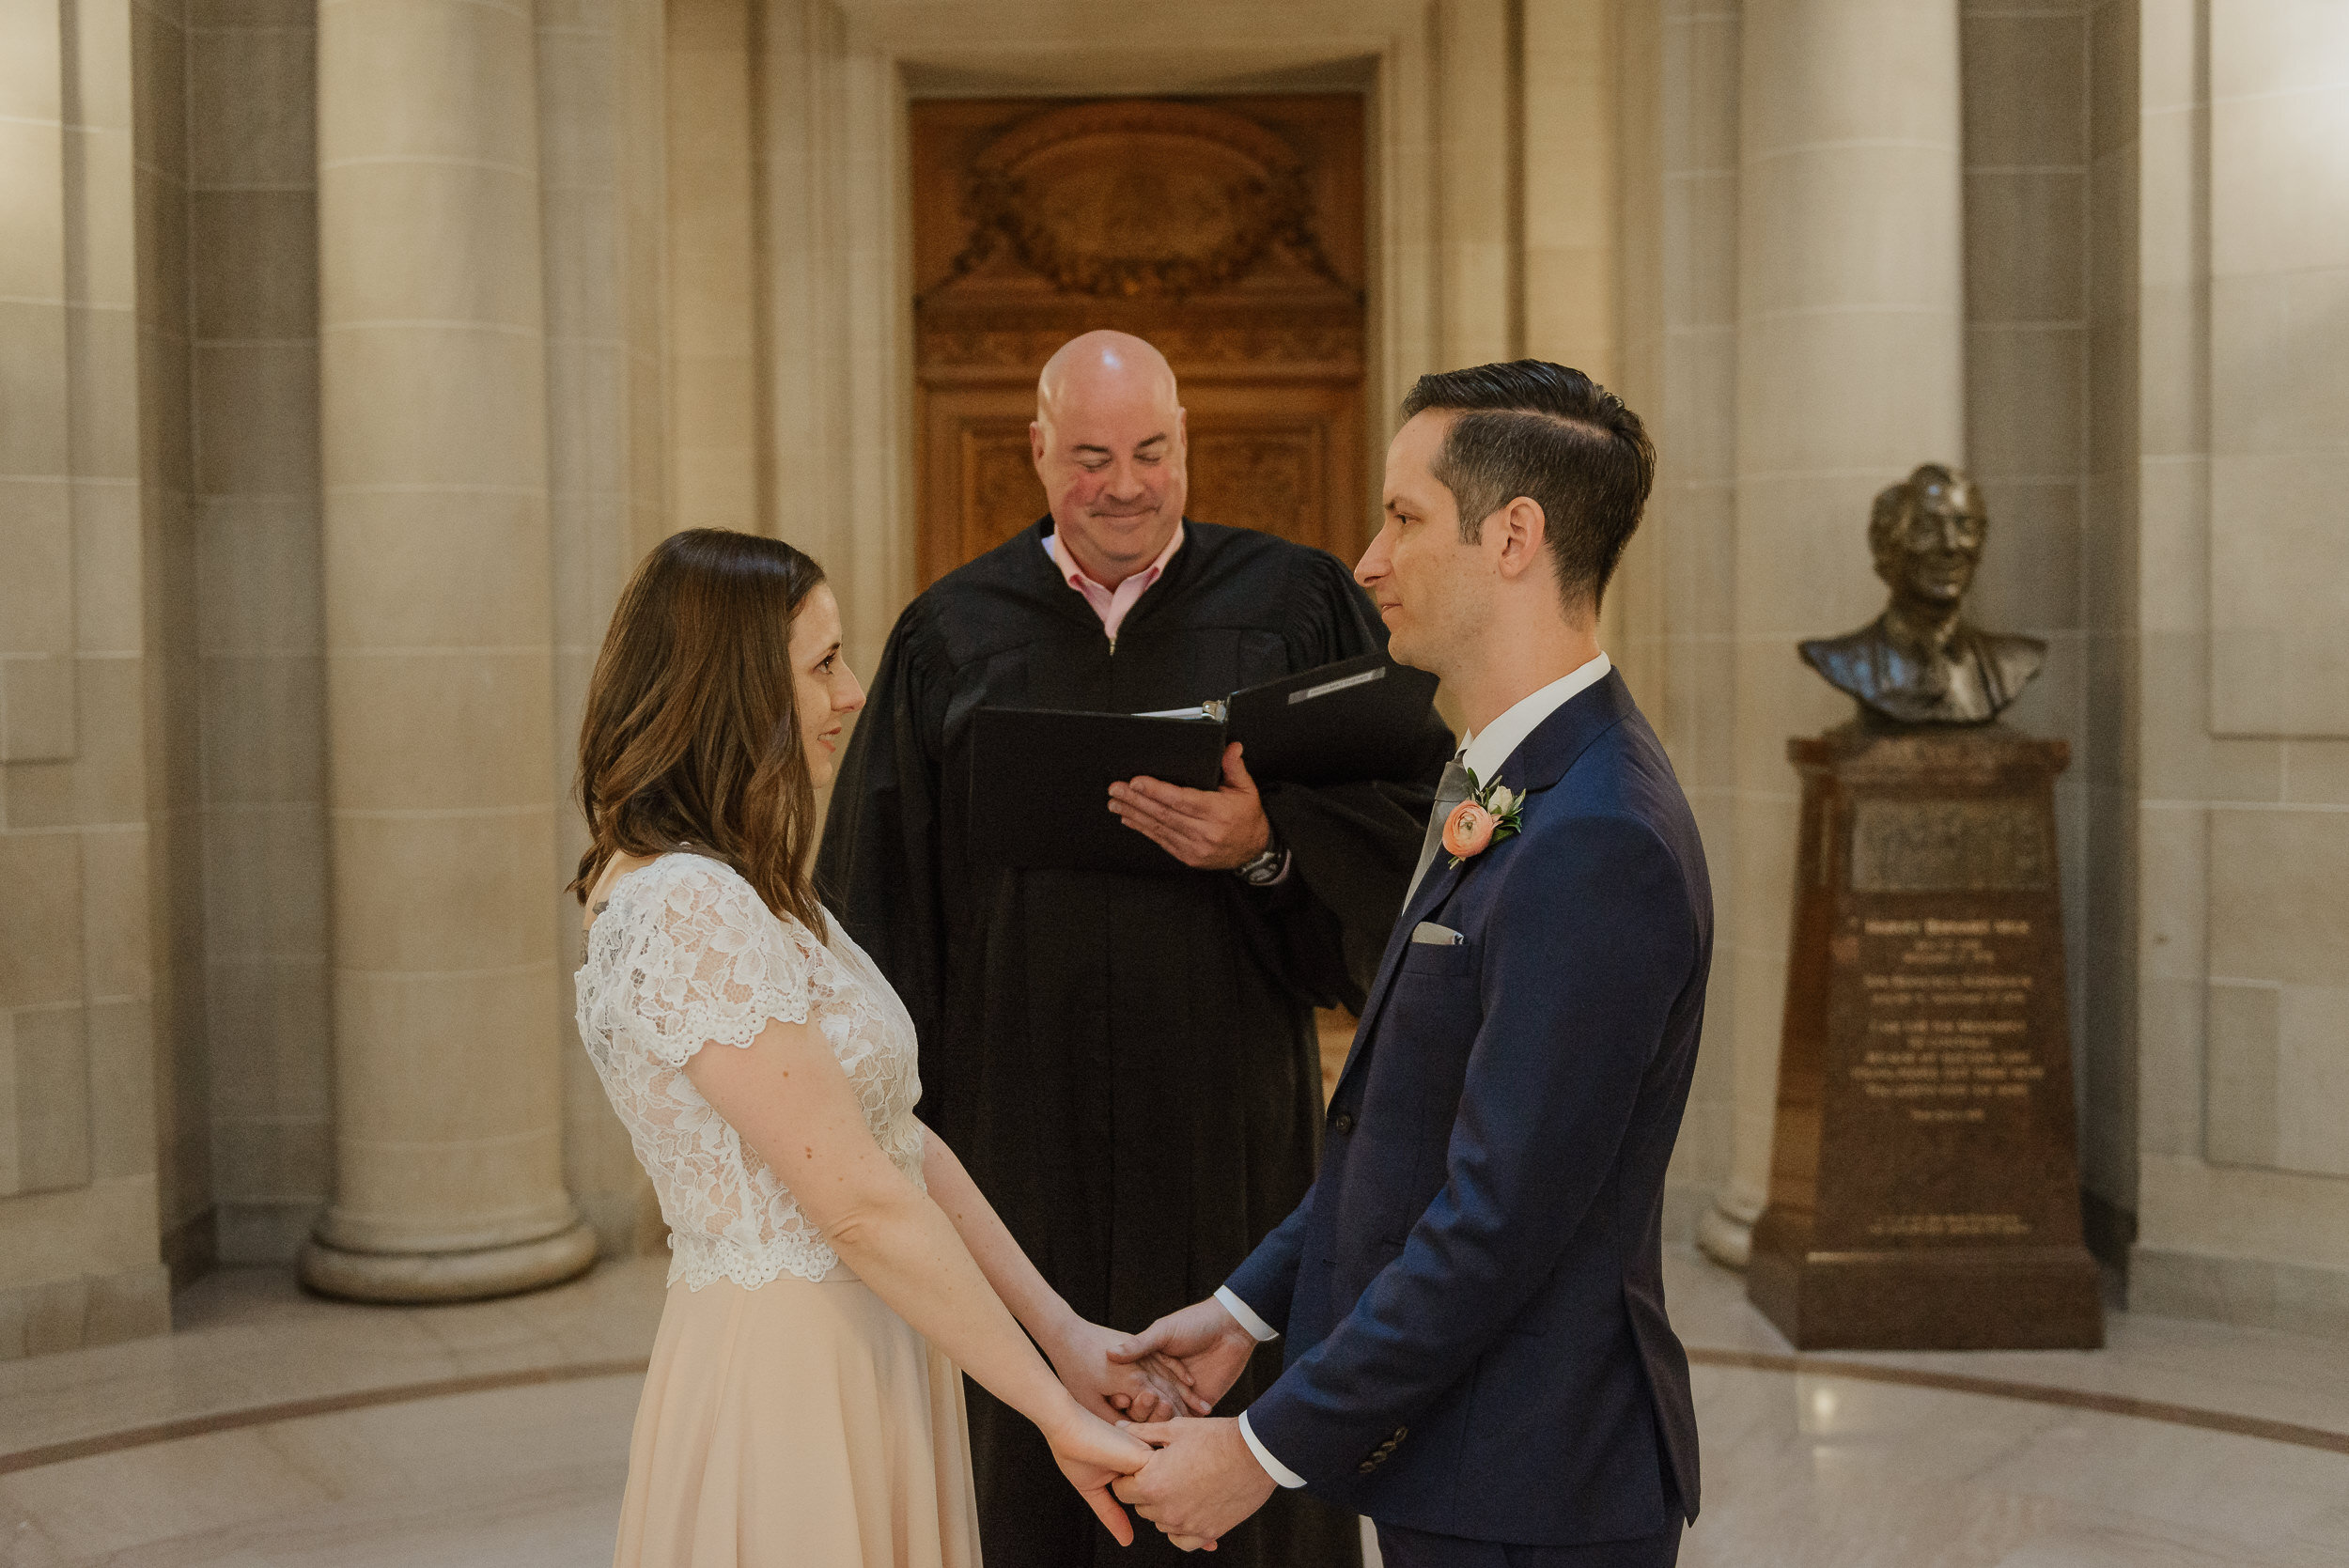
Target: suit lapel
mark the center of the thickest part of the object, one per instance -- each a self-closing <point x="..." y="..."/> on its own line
<point x="1432" y="889"/>
<point x="1541" y="760"/>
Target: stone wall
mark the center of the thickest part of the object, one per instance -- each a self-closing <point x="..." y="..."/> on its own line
<point x="2141" y="328"/>
<point x="2240" y="406"/>
<point x="2108" y="958"/>
<point x="259" y="771"/>
<point x="1690" y="561"/>
<point x="93" y="486"/>
<point x="2027" y="251"/>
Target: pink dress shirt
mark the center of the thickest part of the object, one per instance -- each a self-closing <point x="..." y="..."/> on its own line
<point x="1111" y="604"/>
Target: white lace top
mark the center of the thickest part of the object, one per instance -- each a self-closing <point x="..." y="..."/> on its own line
<point x="685" y="955"/>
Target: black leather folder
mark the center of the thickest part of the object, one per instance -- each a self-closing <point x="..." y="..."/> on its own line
<point x="1040" y="777"/>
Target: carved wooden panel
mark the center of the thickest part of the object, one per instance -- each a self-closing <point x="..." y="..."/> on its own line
<point x="1228" y="232"/>
<point x="1260" y="478"/>
<point x="1000" y="494"/>
<point x="1285" y="459"/>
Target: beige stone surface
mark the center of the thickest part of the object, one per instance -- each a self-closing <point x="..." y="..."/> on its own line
<point x="2280" y="972"/>
<point x="1850" y="371"/>
<point x="601" y="75"/>
<point x="1478" y="212"/>
<point x="2239" y="1209"/>
<point x="1683" y="607"/>
<point x="53" y="1090"/>
<point x="270" y="444"/>
<point x="439" y="731"/>
<point x="2277" y="911"/>
<point x="2244" y="1036"/>
<point x="583" y="285"/>
<point x="1568" y="55"/>
<point x="36" y="702"/>
<point x="457" y="729"/>
<point x="713" y="267"/>
<point x="102" y="1227"/>
<point x="2278" y="396"/>
<point x="472" y="1028"/>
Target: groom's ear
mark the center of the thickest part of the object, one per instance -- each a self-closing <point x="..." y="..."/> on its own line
<point x="1523" y="534"/>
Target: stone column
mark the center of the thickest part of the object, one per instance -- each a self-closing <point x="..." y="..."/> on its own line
<point x="1850" y="372"/>
<point x="447" y="1097"/>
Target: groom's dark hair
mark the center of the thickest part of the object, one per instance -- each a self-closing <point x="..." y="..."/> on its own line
<point x="1555" y="437"/>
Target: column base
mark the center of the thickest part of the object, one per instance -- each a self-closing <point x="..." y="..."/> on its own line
<point x="410" y="1277"/>
<point x="1725" y="1237"/>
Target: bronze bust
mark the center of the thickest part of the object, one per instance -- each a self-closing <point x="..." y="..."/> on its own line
<point x="1920" y="663"/>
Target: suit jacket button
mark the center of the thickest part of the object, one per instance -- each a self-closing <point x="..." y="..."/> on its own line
<point x="1341" y="1124"/>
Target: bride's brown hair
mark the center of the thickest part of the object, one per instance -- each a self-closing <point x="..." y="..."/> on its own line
<point x="691" y="734"/>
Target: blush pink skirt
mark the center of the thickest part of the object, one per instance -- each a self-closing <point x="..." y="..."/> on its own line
<point x="796" y="1424"/>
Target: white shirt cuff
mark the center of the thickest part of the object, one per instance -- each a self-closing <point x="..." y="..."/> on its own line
<point x="1280" y="1473"/>
<point x="1246" y="1317"/>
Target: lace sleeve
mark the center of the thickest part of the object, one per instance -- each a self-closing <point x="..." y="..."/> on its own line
<point x="712" y="967"/>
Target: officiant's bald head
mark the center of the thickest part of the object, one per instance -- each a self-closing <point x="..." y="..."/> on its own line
<point x="1110" y="446"/>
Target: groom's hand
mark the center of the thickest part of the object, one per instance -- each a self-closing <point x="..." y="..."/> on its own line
<point x="1148" y="1387"/>
<point x="1207" y="830"/>
<point x="1207" y="1342"/>
<point x="1202" y="1482"/>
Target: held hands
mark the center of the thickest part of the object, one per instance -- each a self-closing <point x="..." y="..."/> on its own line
<point x="1207" y="830"/>
<point x="1201" y="1483"/>
<point x="1205" y="1342"/>
<point x="1145" y="1387"/>
<point x="1203" y="1479"/>
<point x="1139" y="1384"/>
<point x="1092" y="1454"/>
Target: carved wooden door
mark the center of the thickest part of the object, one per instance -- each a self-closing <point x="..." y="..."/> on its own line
<point x="1228" y="231"/>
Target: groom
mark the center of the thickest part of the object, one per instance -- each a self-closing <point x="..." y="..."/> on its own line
<point x="1470" y="1297"/>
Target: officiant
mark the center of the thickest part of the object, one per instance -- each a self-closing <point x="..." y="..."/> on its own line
<point x="1126" y="1062"/>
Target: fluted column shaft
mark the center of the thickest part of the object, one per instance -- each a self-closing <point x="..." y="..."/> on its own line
<point x="448" y="1158"/>
<point x="1850" y="372"/>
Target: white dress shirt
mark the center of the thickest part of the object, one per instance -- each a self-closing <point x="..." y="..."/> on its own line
<point x="1245" y="1316"/>
<point x="1486" y="751"/>
<point x="1483" y="751"/>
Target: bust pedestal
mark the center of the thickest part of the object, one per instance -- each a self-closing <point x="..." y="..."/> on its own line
<point x="1924" y="1190"/>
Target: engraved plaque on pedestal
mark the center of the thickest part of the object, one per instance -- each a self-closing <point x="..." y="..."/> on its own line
<point x="1924" y="1186"/>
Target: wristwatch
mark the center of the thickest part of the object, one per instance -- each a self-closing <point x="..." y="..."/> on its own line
<point x="1264" y="868"/>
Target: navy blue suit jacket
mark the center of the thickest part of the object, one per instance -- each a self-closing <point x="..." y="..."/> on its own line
<point x="1472" y="1297"/>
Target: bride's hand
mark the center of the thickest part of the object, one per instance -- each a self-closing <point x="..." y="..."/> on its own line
<point x="1154" y="1389"/>
<point x="1092" y="1454"/>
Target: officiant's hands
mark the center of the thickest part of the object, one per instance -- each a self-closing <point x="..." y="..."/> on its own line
<point x="1207" y="830"/>
<point x="1205" y="1342"/>
<point x="1142" y="1387"/>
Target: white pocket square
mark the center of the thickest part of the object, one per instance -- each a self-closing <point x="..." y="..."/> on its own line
<point x="1427" y="931"/>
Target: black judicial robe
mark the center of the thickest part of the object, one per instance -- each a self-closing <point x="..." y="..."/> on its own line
<point x="1126" y="1063"/>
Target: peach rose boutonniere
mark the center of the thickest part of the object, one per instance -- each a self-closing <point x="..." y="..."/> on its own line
<point x="1490" y="814"/>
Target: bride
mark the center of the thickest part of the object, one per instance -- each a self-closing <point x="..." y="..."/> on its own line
<point x="834" y="1265"/>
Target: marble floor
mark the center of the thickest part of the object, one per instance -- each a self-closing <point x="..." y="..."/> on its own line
<point x="277" y="1431"/>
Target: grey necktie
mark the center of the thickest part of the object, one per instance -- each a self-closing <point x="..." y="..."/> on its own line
<point x="1449" y="794"/>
